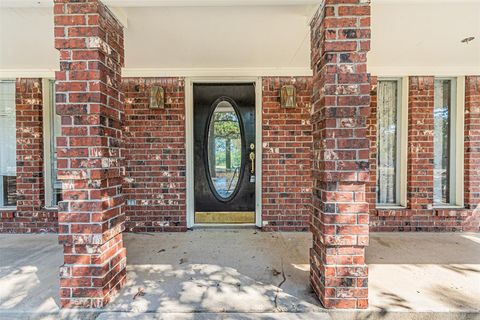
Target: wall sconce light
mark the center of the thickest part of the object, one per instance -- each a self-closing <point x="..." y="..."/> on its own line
<point x="157" y="98"/>
<point x="288" y="96"/>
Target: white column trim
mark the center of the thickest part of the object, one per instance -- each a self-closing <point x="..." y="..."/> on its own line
<point x="47" y="140"/>
<point x="460" y="143"/>
<point x="404" y="141"/>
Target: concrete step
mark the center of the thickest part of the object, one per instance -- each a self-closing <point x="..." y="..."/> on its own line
<point x="327" y="315"/>
<point x="215" y="316"/>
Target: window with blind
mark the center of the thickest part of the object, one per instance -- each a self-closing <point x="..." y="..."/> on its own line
<point x="388" y="106"/>
<point x="8" y="162"/>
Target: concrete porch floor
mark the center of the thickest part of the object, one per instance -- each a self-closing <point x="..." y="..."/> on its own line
<point x="248" y="274"/>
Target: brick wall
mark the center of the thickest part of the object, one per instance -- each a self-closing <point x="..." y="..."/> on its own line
<point x="285" y="195"/>
<point x="160" y="197"/>
<point x="30" y="216"/>
<point x="419" y="215"/>
<point x="155" y="156"/>
<point x="287" y="157"/>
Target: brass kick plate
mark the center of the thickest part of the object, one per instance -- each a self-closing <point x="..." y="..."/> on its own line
<point x="225" y="217"/>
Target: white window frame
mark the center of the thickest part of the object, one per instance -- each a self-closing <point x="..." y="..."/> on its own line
<point x="48" y="112"/>
<point x="2" y="206"/>
<point x="457" y="144"/>
<point x="402" y="143"/>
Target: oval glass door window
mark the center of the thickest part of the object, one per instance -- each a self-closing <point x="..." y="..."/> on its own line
<point x="224" y="149"/>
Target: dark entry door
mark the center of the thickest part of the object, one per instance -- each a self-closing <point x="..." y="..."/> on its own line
<point x="224" y="160"/>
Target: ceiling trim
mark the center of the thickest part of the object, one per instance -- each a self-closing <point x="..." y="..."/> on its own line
<point x="213" y="3"/>
<point x="209" y="3"/>
<point x="170" y="3"/>
<point x="26" y="73"/>
<point x="438" y="71"/>
<point x="180" y="72"/>
<point x="216" y="72"/>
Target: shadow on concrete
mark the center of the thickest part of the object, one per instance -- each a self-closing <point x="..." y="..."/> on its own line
<point x="463" y="270"/>
<point x="425" y="288"/>
<point x="394" y="300"/>
<point x="217" y="271"/>
<point x="29" y="268"/>
<point x="455" y="299"/>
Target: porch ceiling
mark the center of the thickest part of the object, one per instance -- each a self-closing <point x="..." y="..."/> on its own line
<point x="235" y="37"/>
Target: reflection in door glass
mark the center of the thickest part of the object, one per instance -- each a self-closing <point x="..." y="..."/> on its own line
<point x="224" y="149"/>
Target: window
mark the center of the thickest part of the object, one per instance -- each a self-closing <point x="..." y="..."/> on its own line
<point x="448" y="142"/>
<point x="391" y="142"/>
<point x="51" y="130"/>
<point x="8" y="162"/>
<point x="442" y="135"/>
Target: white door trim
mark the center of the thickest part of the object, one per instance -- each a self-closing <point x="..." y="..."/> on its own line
<point x="189" y="141"/>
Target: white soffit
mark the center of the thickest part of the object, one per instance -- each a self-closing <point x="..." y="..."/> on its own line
<point x="171" y="3"/>
<point x="26" y="40"/>
<point x="408" y="38"/>
<point x="245" y="40"/>
<point x="425" y="39"/>
<point x="217" y="37"/>
<point x="211" y="3"/>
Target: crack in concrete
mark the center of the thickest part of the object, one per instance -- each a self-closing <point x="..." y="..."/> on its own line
<point x="280" y="286"/>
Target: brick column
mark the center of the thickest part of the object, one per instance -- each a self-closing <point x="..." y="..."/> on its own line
<point x="341" y="105"/>
<point x="89" y="99"/>
<point x="472" y="142"/>
<point x="472" y="151"/>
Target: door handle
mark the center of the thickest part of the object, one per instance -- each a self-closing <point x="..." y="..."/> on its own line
<point x="252" y="158"/>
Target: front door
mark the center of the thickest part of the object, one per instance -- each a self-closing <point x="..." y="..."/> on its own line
<point x="224" y="160"/>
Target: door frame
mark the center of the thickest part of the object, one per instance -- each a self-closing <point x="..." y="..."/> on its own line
<point x="189" y="143"/>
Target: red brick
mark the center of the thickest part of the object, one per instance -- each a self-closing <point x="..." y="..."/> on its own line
<point x="286" y="172"/>
<point x="65" y="20"/>
<point x="91" y="213"/>
<point x="341" y="154"/>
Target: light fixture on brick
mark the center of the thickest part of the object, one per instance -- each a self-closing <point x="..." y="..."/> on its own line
<point x="157" y="97"/>
<point x="288" y="96"/>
